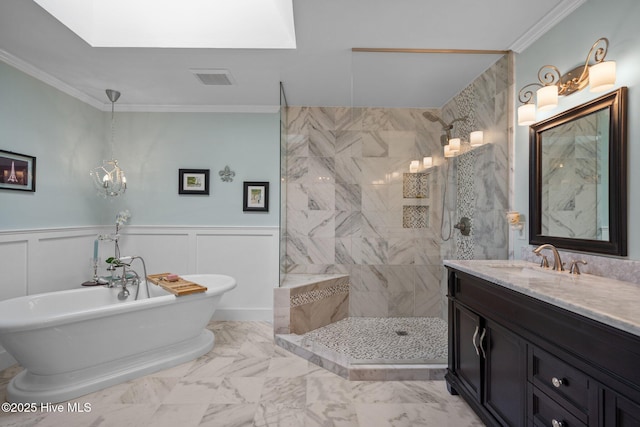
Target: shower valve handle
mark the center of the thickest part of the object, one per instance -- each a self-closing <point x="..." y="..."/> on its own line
<point x="464" y="225"/>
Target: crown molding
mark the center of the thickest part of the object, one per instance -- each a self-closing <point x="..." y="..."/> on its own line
<point x="547" y="22"/>
<point x="47" y="78"/>
<point x="139" y="108"/>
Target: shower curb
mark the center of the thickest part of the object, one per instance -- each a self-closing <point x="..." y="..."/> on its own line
<point x="339" y="363"/>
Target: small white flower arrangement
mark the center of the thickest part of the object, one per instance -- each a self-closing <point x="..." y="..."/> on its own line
<point x="121" y="218"/>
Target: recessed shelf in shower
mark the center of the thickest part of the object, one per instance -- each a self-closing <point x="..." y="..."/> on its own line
<point x="415" y="185"/>
<point x="415" y="217"/>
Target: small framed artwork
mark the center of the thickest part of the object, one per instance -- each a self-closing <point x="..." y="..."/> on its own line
<point x="193" y="181"/>
<point x="256" y="196"/>
<point x="17" y="171"/>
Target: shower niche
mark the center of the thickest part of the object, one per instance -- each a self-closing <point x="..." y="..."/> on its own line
<point x="415" y="186"/>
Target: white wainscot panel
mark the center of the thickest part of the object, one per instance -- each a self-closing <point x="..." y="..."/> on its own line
<point x="252" y="259"/>
<point x="13" y="264"/>
<point x="162" y="252"/>
<point x="63" y="262"/>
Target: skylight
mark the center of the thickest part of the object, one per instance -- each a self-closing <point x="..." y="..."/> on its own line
<point x="233" y="24"/>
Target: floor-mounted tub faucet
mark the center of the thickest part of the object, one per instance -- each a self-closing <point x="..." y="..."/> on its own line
<point x="128" y="277"/>
<point x="557" y="262"/>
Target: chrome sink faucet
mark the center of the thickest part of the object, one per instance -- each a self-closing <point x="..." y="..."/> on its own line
<point x="557" y="262"/>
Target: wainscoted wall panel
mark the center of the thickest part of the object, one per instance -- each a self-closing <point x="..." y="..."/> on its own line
<point x="249" y="255"/>
<point x="14" y="268"/>
<point x="35" y="261"/>
<point x="170" y="249"/>
<point x="70" y="252"/>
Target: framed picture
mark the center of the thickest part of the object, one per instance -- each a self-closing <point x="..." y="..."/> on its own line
<point x="193" y="181"/>
<point x="256" y="196"/>
<point x="17" y="171"/>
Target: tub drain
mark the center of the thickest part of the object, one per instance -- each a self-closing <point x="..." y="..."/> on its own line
<point x="402" y="333"/>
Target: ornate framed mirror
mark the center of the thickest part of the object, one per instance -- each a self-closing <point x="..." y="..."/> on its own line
<point x="578" y="177"/>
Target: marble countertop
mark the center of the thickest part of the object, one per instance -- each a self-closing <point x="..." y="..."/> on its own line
<point x="612" y="302"/>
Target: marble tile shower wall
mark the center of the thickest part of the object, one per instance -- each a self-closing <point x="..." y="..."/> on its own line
<point x="345" y="206"/>
<point x="482" y="174"/>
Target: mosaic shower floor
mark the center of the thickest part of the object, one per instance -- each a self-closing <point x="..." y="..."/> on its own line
<point x="366" y="348"/>
<point x="379" y="340"/>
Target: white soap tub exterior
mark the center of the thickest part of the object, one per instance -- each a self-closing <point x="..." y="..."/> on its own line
<point x="74" y="342"/>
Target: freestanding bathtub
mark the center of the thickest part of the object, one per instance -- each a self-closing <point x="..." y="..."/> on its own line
<point x="75" y="342"/>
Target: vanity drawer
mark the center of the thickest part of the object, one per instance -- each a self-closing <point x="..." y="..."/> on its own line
<point x="543" y="411"/>
<point x="558" y="379"/>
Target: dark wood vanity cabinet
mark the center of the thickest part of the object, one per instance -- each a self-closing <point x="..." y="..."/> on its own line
<point x="483" y="363"/>
<point x="519" y="361"/>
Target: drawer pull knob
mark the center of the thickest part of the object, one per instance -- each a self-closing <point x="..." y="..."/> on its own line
<point x="556" y="382"/>
<point x="556" y="423"/>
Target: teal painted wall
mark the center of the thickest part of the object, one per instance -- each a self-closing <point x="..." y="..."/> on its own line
<point x="566" y="46"/>
<point x="64" y="136"/>
<point x="69" y="138"/>
<point x="153" y="146"/>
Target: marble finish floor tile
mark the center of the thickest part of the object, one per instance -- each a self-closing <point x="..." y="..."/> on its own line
<point x="247" y="381"/>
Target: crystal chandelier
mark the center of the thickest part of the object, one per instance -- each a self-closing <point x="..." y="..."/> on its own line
<point x="109" y="178"/>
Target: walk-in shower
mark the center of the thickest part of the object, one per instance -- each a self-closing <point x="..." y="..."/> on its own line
<point x="348" y="212"/>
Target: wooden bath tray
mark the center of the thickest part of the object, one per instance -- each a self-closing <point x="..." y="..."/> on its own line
<point x="178" y="288"/>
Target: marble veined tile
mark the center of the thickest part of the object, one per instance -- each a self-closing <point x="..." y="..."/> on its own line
<point x="337" y="414"/>
<point x="234" y="415"/>
<point x="329" y="389"/>
<point x="285" y="392"/>
<point x="238" y="390"/>
<point x="322" y="143"/>
<point x="402" y="144"/>
<point x="396" y="392"/>
<point x="178" y="415"/>
<point x="193" y="391"/>
<point x="22" y="419"/>
<point x="321" y="223"/>
<point x="148" y="390"/>
<point x="288" y="367"/>
<point x="254" y="391"/>
<point x="374" y="145"/>
<point x="250" y="367"/>
<point x="271" y="415"/>
<point x="262" y="349"/>
<point x="205" y="367"/>
<point x="348" y="142"/>
<point x="411" y="415"/>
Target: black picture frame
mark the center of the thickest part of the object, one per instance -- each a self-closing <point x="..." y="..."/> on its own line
<point x="255" y="196"/>
<point x="193" y="181"/>
<point x="17" y="171"/>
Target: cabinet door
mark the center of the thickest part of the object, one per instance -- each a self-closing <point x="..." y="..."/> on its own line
<point x="467" y="358"/>
<point x="505" y="378"/>
<point x="620" y="412"/>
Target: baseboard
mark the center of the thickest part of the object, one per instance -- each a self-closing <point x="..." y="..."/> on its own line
<point x="6" y="359"/>
<point x="246" y="314"/>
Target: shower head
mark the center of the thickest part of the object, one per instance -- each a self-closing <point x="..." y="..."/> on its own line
<point x="432" y="117"/>
<point x="446" y="127"/>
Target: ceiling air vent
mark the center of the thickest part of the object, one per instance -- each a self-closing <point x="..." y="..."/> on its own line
<point x="214" y="77"/>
